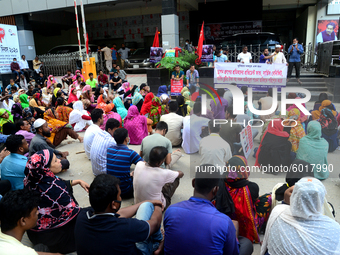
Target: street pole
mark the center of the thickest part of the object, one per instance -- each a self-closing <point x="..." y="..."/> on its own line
<point x="84" y="28"/>
<point x="77" y="23"/>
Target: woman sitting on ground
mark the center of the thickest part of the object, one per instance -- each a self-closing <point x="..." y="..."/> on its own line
<point x="57" y="208"/>
<point x="87" y="93"/>
<point x="136" y="125"/>
<point x="99" y="91"/>
<point x="325" y="104"/>
<point x="274" y="148"/>
<point x="59" y="129"/>
<point x="314" y="149"/>
<point x="301" y="228"/>
<point x="239" y="199"/>
<point x="183" y="108"/>
<point x="137" y="98"/>
<point x="329" y="127"/>
<point x="121" y="110"/>
<point x="46" y="97"/>
<point x="144" y="89"/>
<point x="16" y="108"/>
<point x="7" y="126"/>
<point x="72" y="98"/>
<point x="322" y="97"/>
<point x="157" y="110"/>
<point x="147" y="104"/>
<point x="35" y="102"/>
<point x="79" y="118"/>
<point x="109" y="110"/>
<point x="88" y="106"/>
<point x="297" y="131"/>
<point x="62" y="112"/>
<point x="51" y="82"/>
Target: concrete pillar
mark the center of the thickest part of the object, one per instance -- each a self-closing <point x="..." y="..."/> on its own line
<point x="25" y="36"/>
<point x="170" y="27"/>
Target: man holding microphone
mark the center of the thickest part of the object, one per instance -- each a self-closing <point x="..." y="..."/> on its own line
<point x="295" y="50"/>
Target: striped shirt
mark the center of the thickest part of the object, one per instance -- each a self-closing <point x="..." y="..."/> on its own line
<point x="119" y="160"/>
<point x="101" y="142"/>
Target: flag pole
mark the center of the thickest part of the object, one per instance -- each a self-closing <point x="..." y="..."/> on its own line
<point x="77" y="23"/>
<point x="84" y="28"/>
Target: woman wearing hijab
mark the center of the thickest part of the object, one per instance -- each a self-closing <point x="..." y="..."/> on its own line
<point x="297" y="131"/>
<point x="46" y="97"/>
<point x="144" y="89"/>
<point x="87" y="93"/>
<point x="329" y="127"/>
<point x="16" y="109"/>
<point x="51" y="82"/>
<point x="301" y="228"/>
<point x="162" y="90"/>
<point x="24" y="101"/>
<point x="136" y="125"/>
<point x="247" y="208"/>
<point x="88" y="106"/>
<point x="109" y="112"/>
<point x="314" y="149"/>
<point x="72" y="98"/>
<point x="137" y="98"/>
<point x="57" y="208"/>
<point x="157" y="110"/>
<point x="7" y="126"/>
<point x="121" y="110"/>
<point x="182" y="107"/>
<point x="147" y="104"/>
<point x="59" y="129"/>
<point x="78" y="73"/>
<point x="298" y="169"/>
<point x="325" y="104"/>
<point x="35" y="102"/>
<point x="79" y="118"/>
<point x="274" y="148"/>
<point x="188" y="101"/>
<point x="62" y="112"/>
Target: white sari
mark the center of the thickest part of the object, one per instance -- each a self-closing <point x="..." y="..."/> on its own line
<point x="76" y="117"/>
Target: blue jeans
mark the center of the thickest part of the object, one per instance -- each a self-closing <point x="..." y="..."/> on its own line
<point x="17" y="73"/>
<point x="147" y="247"/>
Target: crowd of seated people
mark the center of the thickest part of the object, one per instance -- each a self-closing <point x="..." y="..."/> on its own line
<point x="226" y="213"/>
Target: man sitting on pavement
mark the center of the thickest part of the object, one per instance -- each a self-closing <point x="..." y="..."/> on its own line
<point x="13" y="166"/>
<point x="24" y="129"/>
<point x="67" y="78"/>
<point x="98" y="120"/>
<point x="101" y="142"/>
<point x="106" y="228"/>
<point x="39" y="142"/>
<point x="213" y="149"/>
<point x="175" y="124"/>
<point x="18" y="213"/>
<point x="150" y="181"/>
<point x="197" y="222"/>
<point x="119" y="160"/>
<point x="92" y="82"/>
<point x="159" y="139"/>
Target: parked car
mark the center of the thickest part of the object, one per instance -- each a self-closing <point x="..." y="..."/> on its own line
<point x="264" y="39"/>
<point x="69" y="48"/>
<point x="139" y="59"/>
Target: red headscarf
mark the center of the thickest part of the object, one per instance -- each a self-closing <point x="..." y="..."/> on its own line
<point x="147" y="104"/>
<point x="72" y="97"/>
<point x="274" y="128"/>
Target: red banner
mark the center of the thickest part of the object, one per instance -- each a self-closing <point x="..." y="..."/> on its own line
<point x="176" y="87"/>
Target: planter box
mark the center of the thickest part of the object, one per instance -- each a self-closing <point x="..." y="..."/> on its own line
<point x="157" y="77"/>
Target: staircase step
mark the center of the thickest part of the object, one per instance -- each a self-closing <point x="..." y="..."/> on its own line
<point x="307" y="84"/>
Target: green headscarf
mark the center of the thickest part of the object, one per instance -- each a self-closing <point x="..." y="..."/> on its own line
<point x="120" y="107"/>
<point x="3" y="120"/>
<point x="314" y="149"/>
<point x="24" y="101"/>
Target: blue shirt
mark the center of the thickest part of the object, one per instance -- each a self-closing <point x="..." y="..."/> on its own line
<point x="295" y="55"/>
<point x="195" y="226"/>
<point x="12" y="169"/>
<point x="192" y="77"/>
<point x="119" y="160"/>
<point x="262" y="60"/>
<point x="178" y="75"/>
<point x="222" y="58"/>
<point x="114" y="54"/>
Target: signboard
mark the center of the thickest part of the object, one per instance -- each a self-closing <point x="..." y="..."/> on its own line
<point x="259" y="77"/>
<point x="176" y="87"/>
<point x="170" y="53"/>
<point x="207" y="53"/>
<point x="247" y="140"/>
<point x="156" y="54"/>
<point x="9" y="47"/>
<point x="217" y="33"/>
<point x="327" y="30"/>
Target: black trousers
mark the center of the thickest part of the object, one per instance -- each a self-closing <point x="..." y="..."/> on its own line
<point x="245" y="246"/>
<point x="297" y="69"/>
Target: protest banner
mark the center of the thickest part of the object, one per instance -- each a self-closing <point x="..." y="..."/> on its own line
<point x="207" y="53"/>
<point x="156" y="54"/>
<point x="259" y="77"/>
<point x="170" y="53"/>
<point x="9" y="47"/>
<point x="176" y="87"/>
<point x="247" y="140"/>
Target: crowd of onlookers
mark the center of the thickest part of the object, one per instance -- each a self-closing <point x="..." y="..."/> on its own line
<point x="226" y="213"/>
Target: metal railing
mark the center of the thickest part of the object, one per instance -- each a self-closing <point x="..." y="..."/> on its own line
<point x="58" y="64"/>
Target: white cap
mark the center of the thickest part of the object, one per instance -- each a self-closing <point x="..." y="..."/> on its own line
<point x="277" y="46"/>
<point x="38" y="123"/>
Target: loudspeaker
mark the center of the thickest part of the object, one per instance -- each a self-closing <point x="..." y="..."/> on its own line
<point x="206" y="72"/>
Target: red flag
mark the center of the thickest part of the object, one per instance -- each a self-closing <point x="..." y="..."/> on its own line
<point x="156" y="40"/>
<point x="87" y="43"/>
<point x="200" y="42"/>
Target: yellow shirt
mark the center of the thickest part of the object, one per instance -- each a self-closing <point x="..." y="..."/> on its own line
<point x="11" y="246"/>
<point x="36" y="64"/>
